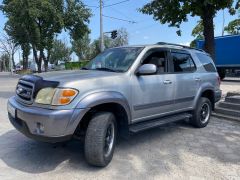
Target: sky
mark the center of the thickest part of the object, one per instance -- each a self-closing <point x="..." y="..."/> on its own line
<point x="145" y="30"/>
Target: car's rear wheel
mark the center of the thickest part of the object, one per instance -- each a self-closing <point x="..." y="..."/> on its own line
<point x="202" y="113"/>
<point x="100" y="139"/>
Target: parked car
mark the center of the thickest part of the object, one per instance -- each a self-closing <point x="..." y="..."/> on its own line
<point x="123" y="90"/>
<point x="18" y="68"/>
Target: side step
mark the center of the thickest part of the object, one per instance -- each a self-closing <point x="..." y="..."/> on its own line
<point x="134" y="128"/>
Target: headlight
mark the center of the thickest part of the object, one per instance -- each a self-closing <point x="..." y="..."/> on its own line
<point x="45" y="96"/>
<point x="56" y="96"/>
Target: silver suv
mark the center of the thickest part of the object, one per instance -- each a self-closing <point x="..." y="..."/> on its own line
<point x="122" y="91"/>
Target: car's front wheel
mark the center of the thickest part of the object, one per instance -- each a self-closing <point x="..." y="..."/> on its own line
<point x="202" y="113"/>
<point x="100" y="139"/>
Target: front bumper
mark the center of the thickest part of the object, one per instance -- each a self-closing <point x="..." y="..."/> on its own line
<point x="43" y="124"/>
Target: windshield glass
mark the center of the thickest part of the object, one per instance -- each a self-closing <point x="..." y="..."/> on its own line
<point x="115" y="60"/>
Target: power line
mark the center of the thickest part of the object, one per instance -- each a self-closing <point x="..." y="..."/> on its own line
<point x="122" y="14"/>
<point x="116" y="3"/>
<point x="132" y="22"/>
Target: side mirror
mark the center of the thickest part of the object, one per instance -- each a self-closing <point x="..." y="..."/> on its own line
<point x="147" y="69"/>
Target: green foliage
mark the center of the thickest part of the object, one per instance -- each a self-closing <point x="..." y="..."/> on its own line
<point x="176" y="12"/>
<point x="121" y="40"/>
<point x="82" y="47"/>
<point x="36" y="22"/>
<point x="233" y="27"/>
<point x="59" y="52"/>
<point x="197" y="32"/>
<point x="75" y="65"/>
<point x="4" y="62"/>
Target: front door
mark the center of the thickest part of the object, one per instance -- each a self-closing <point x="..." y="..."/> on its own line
<point x="153" y="95"/>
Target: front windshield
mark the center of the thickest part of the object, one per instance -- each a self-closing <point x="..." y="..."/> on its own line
<point x="115" y="60"/>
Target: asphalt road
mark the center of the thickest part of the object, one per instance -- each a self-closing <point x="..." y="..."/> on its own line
<point x="175" y="151"/>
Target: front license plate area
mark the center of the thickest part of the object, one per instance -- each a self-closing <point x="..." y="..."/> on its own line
<point x="12" y="111"/>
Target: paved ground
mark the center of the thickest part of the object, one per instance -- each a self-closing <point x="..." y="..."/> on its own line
<point x="176" y="151"/>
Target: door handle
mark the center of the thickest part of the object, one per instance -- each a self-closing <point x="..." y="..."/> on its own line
<point x="167" y="82"/>
<point x="197" y="79"/>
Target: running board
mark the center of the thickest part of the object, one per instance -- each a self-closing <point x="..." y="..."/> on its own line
<point x="134" y="128"/>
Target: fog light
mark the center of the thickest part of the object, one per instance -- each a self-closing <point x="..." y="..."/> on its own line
<point x="40" y="128"/>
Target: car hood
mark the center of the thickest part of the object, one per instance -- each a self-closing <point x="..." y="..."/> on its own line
<point x="69" y="76"/>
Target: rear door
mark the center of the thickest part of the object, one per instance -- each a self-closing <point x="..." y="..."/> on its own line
<point x="186" y="82"/>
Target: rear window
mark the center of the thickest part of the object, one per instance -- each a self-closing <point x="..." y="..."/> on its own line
<point x="207" y="62"/>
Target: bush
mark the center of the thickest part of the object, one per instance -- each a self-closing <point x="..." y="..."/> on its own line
<point x="24" y="72"/>
<point x="75" y="65"/>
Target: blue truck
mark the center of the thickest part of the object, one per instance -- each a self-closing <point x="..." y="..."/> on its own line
<point x="227" y="53"/>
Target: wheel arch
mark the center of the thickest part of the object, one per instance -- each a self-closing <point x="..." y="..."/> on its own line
<point x="208" y="92"/>
<point x="109" y="102"/>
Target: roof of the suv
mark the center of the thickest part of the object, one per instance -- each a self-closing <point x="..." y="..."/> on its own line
<point x="168" y="45"/>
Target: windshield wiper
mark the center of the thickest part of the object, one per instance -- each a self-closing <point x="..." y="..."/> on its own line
<point x="106" y="69"/>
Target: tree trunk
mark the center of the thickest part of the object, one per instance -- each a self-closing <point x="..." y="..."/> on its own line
<point x="13" y="62"/>
<point x="45" y="61"/>
<point x="37" y="60"/>
<point x="208" y="31"/>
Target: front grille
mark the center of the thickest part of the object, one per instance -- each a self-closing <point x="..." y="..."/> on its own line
<point x="24" y="91"/>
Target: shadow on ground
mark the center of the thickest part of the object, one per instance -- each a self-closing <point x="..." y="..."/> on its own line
<point x="152" y="151"/>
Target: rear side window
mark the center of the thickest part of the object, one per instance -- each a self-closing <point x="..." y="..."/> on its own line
<point x="183" y="63"/>
<point x="206" y="62"/>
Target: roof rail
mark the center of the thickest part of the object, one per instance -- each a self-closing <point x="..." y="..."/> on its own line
<point x="172" y="44"/>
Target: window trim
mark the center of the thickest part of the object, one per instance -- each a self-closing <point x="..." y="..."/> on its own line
<point x="180" y="52"/>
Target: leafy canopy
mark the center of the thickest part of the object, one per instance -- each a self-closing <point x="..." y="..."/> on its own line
<point x="233" y="27"/>
<point x="175" y="12"/>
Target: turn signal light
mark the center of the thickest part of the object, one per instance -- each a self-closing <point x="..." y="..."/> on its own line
<point x="68" y="93"/>
<point x="64" y="100"/>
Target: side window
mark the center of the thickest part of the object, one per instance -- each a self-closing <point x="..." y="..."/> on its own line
<point x="183" y="63"/>
<point x="206" y="62"/>
<point x="158" y="58"/>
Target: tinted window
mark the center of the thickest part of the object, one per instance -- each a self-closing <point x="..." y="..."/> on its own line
<point x="183" y="63"/>
<point x="206" y="62"/>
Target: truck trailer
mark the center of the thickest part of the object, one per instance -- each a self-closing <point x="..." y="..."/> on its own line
<point x="227" y="53"/>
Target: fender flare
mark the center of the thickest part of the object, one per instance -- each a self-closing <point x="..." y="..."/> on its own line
<point x="98" y="98"/>
<point x="204" y="87"/>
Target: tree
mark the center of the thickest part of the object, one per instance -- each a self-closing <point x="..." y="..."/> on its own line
<point x="4" y="62"/>
<point x="233" y="27"/>
<point x="176" y="12"/>
<point x="8" y="46"/>
<point x="81" y="47"/>
<point x="59" y="52"/>
<point x="122" y="38"/>
<point x="197" y="32"/>
<point x="41" y="20"/>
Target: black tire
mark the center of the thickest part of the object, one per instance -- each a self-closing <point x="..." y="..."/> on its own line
<point x="221" y="73"/>
<point x="98" y="138"/>
<point x="199" y="120"/>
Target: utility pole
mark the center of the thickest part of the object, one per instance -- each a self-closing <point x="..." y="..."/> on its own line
<point x="101" y="27"/>
<point x="223" y="25"/>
